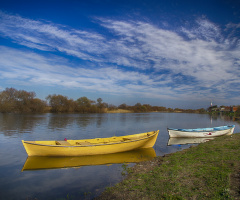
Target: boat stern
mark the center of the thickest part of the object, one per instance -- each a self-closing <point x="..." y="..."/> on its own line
<point x="231" y="130"/>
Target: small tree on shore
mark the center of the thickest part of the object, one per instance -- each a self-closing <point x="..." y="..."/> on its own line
<point x="60" y="103"/>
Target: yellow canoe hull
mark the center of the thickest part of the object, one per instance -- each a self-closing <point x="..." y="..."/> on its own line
<point x="91" y="146"/>
<point x="50" y="162"/>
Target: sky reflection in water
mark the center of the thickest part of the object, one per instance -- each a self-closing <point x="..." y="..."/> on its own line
<point x="77" y="181"/>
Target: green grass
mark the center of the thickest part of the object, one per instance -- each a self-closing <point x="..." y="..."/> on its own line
<point x="201" y="172"/>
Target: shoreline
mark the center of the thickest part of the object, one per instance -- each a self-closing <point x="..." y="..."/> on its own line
<point x="209" y="170"/>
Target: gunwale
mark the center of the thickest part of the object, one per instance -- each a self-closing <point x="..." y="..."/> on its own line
<point x="86" y="145"/>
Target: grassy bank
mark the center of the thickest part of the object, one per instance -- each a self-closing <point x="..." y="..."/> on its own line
<point x="208" y="171"/>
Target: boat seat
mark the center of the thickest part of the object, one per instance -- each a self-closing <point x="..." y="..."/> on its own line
<point x="63" y="142"/>
<point x="126" y="139"/>
<point x="83" y="143"/>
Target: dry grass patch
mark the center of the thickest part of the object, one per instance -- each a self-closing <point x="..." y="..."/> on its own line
<point x="119" y="111"/>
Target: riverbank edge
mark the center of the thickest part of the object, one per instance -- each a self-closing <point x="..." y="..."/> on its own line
<point x="119" y="111"/>
<point x="209" y="170"/>
<point x="131" y="111"/>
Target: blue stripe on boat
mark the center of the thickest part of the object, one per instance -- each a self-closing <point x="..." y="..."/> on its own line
<point x="219" y="128"/>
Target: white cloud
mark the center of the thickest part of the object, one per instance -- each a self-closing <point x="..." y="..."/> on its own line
<point x="39" y="70"/>
<point x="151" y="61"/>
<point x="51" y="37"/>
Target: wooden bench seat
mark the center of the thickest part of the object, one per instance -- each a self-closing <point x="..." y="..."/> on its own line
<point x="63" y="142"/>
<point x="83" y="143"/>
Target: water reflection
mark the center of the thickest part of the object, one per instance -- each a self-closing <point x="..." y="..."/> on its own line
<point x="176" y="141"/>
<point x="101" y="118"/>
<point x="60" y="121"/>
<point x="11" y="124"/>
<point x="38" y="162"/>
<point x="224" y="117"/>
<point x="85" y="120"/>
<point x="96" y="174"/>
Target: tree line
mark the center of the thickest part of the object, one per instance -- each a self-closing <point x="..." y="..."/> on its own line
<point x="21" y="101"/>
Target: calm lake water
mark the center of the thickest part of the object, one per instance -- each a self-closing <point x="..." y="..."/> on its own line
<point x="85" y="178"/>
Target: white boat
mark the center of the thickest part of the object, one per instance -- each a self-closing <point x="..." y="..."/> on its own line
<point x="201" y="132"/>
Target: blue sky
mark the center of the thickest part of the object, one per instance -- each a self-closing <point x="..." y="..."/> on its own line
<point x="178" y="54"/>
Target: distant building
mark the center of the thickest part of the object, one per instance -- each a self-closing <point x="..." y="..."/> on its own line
<point x="234" y="108"/>
<point x="225" y="108"/>
<point x="228" y="108"/>
<point x="222" y="108"/>
<point x="213" y="108"/>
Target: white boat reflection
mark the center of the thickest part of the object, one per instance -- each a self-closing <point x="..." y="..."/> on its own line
<point x="176" y="141"/>
<point x="44" y="162"/>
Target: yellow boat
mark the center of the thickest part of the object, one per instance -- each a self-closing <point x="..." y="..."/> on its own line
<point x="52" y="162"/>
<point x="91" y="146"/>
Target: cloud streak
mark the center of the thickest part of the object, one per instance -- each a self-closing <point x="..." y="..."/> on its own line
<point x="38" y="70"/>
<point x="135" y="57"/>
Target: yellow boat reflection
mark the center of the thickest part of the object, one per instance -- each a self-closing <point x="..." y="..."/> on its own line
<point x="40" y="162"/>
<point x="175" y="141"/>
